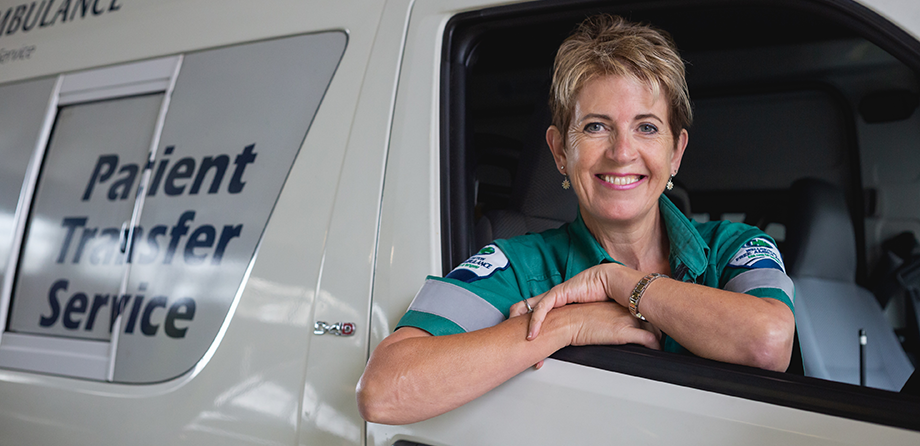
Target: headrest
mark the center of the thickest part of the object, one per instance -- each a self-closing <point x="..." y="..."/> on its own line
<point x="820" y="241"/>
<point x="538" y="188"/>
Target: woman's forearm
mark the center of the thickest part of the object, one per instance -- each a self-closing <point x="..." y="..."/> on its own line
<point x="413" y="376"/>
<point x="721" y="325"/>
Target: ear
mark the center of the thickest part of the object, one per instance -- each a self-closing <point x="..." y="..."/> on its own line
<point x="556" y="143"/>
<point x="679" y="148"/>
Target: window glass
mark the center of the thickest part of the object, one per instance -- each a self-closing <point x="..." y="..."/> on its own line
<point x="72" y="264"/>
<point x="237" y="119"/>
<point x="22" y="112"/>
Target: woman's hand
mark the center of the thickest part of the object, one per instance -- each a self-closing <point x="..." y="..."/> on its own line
<point x="596" y="284"/>
<point x="608" y="323"/>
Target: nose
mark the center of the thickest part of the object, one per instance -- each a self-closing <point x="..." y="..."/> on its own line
<point x="621" y="149"/>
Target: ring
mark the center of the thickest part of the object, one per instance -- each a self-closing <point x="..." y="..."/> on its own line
<point x="529" y="308"/>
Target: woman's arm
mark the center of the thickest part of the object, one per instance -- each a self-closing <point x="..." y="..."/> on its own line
<point x="711" y="323"/>
<point x="413" y="376"/>
<point x="718" y="324"/>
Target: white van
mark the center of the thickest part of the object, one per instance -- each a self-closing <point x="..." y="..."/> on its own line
<point x="212" y="211"/>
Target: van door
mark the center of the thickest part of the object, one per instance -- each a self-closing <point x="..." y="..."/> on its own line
<point x="595" y="395"/>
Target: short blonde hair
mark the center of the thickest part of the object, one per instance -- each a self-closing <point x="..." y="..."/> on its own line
<point x="609" y="45"/>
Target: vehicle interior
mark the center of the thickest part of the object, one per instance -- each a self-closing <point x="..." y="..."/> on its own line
<point x="805" y="125"/>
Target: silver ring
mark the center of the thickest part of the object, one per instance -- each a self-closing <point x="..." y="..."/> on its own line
<point x="529" y="308"/>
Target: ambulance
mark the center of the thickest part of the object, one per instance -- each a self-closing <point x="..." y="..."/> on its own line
<point x="211" y="212"/>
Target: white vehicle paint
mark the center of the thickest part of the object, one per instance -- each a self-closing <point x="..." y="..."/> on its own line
<point x="354" y="225"/>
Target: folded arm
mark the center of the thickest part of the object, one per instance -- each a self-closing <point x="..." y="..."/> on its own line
<point x="712" y="323"/>
<point x="413" y="376"/>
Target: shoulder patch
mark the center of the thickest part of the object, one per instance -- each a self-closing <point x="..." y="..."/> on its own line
<point x="481" y="265"/>
<point x="758" y="252"/>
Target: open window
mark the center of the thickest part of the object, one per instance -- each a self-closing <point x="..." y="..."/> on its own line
<point x="779" y="90"/>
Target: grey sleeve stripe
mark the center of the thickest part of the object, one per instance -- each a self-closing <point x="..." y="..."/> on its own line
<point x="761" y="278"/>
<point x="460" y="306"/>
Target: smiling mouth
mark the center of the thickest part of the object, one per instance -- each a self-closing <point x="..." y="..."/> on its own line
<point x="623" y="180"/>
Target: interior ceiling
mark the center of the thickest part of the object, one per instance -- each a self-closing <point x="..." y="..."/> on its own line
<point x="532" y="43"/>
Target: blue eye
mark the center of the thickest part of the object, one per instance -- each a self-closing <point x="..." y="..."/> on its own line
<point x="594" y="127"/>
<point x="648" y="128"/>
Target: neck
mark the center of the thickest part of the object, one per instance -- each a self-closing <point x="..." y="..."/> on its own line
<point x="641" y="244"/>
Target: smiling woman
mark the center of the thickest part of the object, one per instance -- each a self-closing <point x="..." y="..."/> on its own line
<point x="642" y="272"/>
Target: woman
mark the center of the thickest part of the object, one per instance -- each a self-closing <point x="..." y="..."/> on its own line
<point x="639" y="270"/>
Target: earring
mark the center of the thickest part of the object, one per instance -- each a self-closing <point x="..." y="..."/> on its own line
<point x="670" y="183"/>
<point x="565" y="183"/>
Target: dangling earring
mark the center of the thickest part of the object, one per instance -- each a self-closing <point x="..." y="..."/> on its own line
<point x="565" y="183"/>
<point x="670" y="183"/>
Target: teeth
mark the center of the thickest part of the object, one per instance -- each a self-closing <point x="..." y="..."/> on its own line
<point x="621" y="181"/>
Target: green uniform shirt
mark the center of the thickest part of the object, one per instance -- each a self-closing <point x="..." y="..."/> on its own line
<point x="479" y="292"/>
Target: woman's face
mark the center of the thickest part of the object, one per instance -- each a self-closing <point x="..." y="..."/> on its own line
<point x="618" y="150"/>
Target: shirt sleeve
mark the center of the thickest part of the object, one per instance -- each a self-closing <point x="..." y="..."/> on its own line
<point x="757" y="269"/>
<point x="477" y="294"/>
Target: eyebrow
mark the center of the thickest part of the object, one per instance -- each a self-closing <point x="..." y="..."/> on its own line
<point x="594" y="116"/>
<point x="606" y="117"/>
<point x="648" y="115"/>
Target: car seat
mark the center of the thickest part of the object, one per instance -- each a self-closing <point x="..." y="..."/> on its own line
<point x="830" y="308"/>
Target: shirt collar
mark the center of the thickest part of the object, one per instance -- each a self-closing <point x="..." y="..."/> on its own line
<point x="687" y="247"/>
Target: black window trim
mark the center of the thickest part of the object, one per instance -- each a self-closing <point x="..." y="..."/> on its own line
<point x="784" y="389"/>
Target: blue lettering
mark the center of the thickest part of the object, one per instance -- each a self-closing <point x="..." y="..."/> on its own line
<point x="79" y="303"/>
<point x="26" y="27"/>
<point x="106" y="163"/>
<point x="147" y="328"/>
<point x="226" y="234"/>
<point x="71" y="224"/>
<point x="203" y="237"/>
<point x="47" y="321"/>
<point x="76" y="305"/>
<point x="183" y="169"/>
<point x="180" y="229"/>
<point x="99" y="301"/>
<point x="126" y="183"/>
<point x="245" y="157"/>
<point x="16" y="20"/>
<point x="183" y="310"/>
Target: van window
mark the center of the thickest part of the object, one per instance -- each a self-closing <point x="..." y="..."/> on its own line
<point x="150" y="206"/>
<point x="22" y="114"/>
<point x="771" y="108"/>
<point x="73" y="240"/>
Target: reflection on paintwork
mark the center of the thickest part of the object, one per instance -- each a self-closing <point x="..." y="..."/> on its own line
<point x="278" y="303"/>
<point x="327" y="303"/>
<point x="327" y="418"/>
<point x="379" y="325"/>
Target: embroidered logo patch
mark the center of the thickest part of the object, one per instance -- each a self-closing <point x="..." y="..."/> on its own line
<point x="758" y="253"/>
<point x="482" y="265"/>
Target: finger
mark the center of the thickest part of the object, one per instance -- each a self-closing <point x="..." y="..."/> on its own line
<point x="548" y="302"/>
<point x="641" y="337"/>
<point x="517" y="309"/>
<point x="539" y="364"/>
